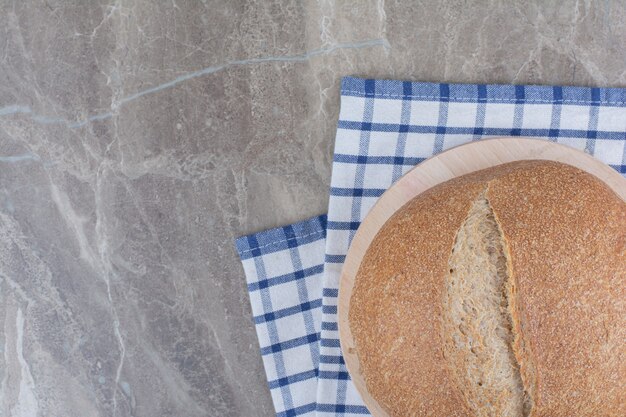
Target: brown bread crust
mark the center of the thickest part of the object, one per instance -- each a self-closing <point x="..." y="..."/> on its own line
<point x="565" y="232"/>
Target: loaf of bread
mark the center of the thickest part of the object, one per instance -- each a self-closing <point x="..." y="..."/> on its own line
<point x="499" y="293"/>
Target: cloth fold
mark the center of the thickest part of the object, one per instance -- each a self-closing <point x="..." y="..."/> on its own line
<point x="385" y="128"/>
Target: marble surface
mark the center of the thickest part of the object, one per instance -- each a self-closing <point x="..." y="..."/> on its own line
<point x="138" y="138"/>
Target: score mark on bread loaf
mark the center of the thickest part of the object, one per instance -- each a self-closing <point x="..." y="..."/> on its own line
<point x="477" y="318"/>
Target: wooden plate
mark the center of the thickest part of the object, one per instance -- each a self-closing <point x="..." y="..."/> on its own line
<point x="454" y="162"/>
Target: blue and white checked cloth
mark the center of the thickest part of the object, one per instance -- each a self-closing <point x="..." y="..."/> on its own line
<point x="385" y="128"/>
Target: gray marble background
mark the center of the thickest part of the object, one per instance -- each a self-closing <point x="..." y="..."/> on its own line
<point x="138" y="138"/>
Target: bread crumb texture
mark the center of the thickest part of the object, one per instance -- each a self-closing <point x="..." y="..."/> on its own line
<point x="477" y="322"/>
<point x="499" y="293"/>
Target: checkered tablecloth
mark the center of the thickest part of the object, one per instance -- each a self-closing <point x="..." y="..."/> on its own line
<point x="385" y="128"/>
